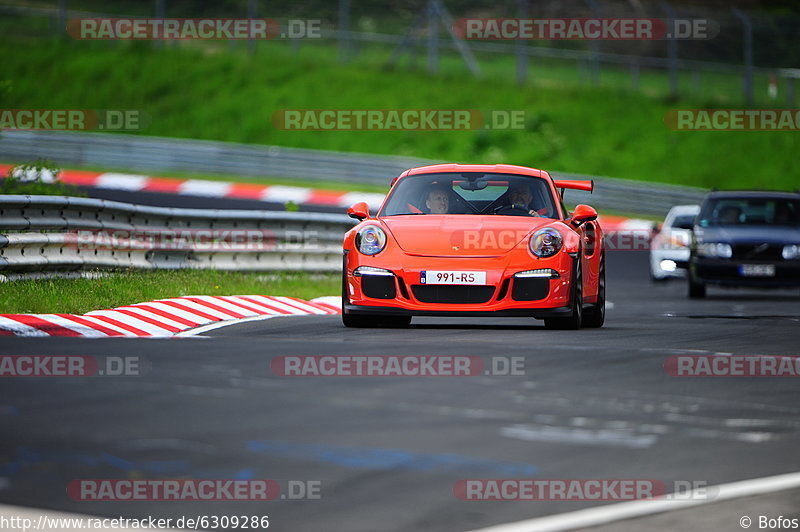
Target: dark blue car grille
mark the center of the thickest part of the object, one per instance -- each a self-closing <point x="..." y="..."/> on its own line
<point x="757" y="252"/>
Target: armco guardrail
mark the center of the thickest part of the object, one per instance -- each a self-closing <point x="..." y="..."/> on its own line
<point x="65" y="233"/>
<point x="157" y="154"/>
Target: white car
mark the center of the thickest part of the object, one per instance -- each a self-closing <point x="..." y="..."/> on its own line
<point x="669" y="247"/>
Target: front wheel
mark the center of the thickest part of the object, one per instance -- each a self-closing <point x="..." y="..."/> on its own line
<point x="357" y="321"/>
<point x="697" y="290"/>
<point x="595" y="315"/>
<point x="573" y="321"/>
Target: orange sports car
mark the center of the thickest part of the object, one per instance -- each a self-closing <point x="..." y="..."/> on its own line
<point x="475" y="240"/>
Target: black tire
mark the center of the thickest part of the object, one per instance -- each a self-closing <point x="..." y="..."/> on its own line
<point x="595" y="316"/>
<point x="357" y="321"/>
<point x="697" y="290"/>
<point x="573" y="321"/>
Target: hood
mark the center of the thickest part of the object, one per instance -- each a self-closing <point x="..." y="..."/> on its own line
<point x="749" y="234"/>
<point x="461" y="235"/>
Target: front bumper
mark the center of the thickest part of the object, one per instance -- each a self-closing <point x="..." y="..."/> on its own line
<point x="679" y="256"/>
<point x="503" y="294"/>
<point x="538" y="313"/>
<point x="727" y="272"/>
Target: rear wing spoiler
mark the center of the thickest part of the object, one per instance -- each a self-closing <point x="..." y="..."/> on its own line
<point x="562" y="184"/>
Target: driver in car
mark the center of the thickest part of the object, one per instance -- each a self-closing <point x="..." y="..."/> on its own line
<point x="438" y="201"/>
<point x="520" y="197"/>
<point x="730" y="214"/>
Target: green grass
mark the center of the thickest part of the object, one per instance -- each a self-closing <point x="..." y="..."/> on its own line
<point x="78" y="296"/>
<point x="211" y="92"/>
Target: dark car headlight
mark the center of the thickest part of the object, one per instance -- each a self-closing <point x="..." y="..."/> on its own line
<point x="719" y="250"/>
<point x="545" y="242"/>
<point x="790" y="252"/>
<point x="370" y="240"/>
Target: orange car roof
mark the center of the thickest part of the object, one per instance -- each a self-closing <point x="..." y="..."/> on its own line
<point x="486" y="168"/>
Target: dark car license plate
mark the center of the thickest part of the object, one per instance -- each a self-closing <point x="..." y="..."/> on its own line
<point x="757" y="270"/>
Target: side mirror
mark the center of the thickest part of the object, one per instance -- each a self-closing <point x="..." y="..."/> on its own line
<point x="582" y="214"/>
<point x="359" y="211"/>
<point x="655" y="228"/>
<point x="394" y="180"/>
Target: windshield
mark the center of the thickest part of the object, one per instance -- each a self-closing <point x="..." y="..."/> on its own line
<point x="750" y="211"/>
<point x="471" y="193"/>
<point x="683" y="221"/>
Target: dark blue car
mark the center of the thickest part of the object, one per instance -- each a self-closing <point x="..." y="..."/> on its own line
<point x="746" y="239"/>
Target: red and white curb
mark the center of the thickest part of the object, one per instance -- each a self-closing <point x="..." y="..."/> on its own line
<point x="251" y="191"/>
<point x="619" y="224"/>
<point x="164" y="317"/>
<point x="209" y="188"/>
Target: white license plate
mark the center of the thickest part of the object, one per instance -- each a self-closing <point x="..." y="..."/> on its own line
<point x="451" y="277"/>
<point x="757" y="270"/>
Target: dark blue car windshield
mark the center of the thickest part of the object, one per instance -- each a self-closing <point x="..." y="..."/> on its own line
<point x="750" y="211"/>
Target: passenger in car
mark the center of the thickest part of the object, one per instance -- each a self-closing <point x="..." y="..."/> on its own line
<point x="520" y="196"/>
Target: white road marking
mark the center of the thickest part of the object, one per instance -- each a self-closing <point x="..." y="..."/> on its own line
<point x="186" y="315"/>
<point x="121" y="181"/>
<point x="334" y="301"/>
<point x="611" y="513"/>
<point x="220" y="324"/>
<point x="227" y="305"/>
<point x="131" y="321"/>
<point x="373" y="200"/>
<point x="199" y="307"/>
<point x="580" y="436"/>
<point x="272" y="302"/>
<point x="300" y="304"/>
<point x="198" y="187"/>
<point x="20" y="329"/>
<point x="103" y="323"/>
<point x="67" y="323"/>
<point x="283" y="194"/>
<point x="152" y="315"/>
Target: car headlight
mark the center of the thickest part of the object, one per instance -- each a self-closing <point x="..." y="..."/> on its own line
<point x="370" y="240"/>
<point x="791" y="251"/>
<point x="545" y="242"/>
<point x="715" y="249"/>
<point x="677" y="242"/>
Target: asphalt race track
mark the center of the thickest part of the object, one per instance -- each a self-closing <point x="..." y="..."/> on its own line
<point x="388" y="450"/>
